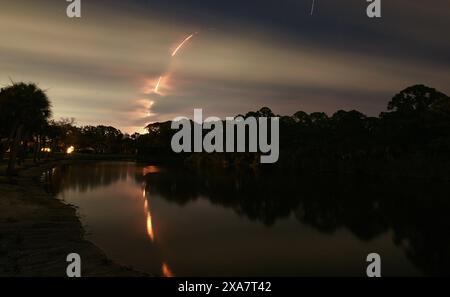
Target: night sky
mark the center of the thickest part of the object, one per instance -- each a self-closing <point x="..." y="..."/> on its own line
<point x="103" y="68"/>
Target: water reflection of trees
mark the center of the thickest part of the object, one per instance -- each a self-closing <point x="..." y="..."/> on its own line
<point x="87" y="176"/>
<point x="415" y="211"/>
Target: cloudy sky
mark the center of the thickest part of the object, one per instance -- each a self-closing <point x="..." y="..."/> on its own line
<point x="103" y="68"/>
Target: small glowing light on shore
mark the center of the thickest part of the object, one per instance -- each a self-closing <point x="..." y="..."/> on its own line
<point x="166" y="271"/>
<point x="46" y="150"/>
<point x="70" y="150"/>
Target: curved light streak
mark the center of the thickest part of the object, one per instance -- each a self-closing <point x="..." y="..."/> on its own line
<point x="156" y="90"/>
<point x="312" y="8"/>
<point x="182" y="44"/>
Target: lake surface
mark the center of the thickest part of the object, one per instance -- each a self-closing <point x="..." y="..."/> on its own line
<point x="174" y="222"/>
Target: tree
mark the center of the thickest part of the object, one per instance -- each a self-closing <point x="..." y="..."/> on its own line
<point x="416" y="120"/>
<point x="61" y="134"/>
<point x="418" y="98"/>
<point x="319" y="119"/>
<point x="26" y="108"/>
<point x="265" y="112"/>
<point x="302" y="118"/>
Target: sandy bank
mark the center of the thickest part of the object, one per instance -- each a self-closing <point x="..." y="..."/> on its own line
<point x="38" y="231"/>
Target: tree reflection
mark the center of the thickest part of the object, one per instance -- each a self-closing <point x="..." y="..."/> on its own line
<point x="87" y="176"/>
<point x="416" y="211"/>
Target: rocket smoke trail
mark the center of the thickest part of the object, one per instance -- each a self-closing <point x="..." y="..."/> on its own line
<point x="174" y="53"/>
<point x="157" y="85"/>
<point x="312" y="8"/>
<point x="182" y="44"/>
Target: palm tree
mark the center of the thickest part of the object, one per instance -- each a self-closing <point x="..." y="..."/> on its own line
<point x="26" y="108"/>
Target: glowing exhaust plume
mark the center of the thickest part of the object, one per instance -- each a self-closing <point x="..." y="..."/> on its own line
<point x="163" y="78"/>
<point x="156" y="90"/>
<point x="166" y="271"/>
<point x="182" y="44"/>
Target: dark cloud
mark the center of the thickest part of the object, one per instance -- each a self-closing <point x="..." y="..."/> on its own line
<point x="249" y="54"/>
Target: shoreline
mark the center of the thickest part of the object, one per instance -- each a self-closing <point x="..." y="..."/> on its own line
<point x="38" y="231"/>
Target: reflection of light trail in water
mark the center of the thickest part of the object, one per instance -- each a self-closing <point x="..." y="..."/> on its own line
<point x="150" y="232"/>
<point x="166" y="271"/>
<point x="149" y="223"/>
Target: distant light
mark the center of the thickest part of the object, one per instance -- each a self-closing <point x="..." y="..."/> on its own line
<point x="46" y="150"/>
<point x="70" y="150"/>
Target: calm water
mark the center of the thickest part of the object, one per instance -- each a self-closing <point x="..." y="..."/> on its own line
<point x="173" y="222"/>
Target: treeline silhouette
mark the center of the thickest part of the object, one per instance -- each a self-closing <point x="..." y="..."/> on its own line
<point x="413" y="136"/>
